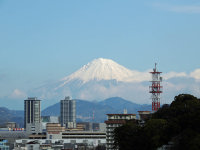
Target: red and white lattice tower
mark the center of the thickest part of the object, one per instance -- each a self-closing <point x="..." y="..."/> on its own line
<point x="155" y="89"/>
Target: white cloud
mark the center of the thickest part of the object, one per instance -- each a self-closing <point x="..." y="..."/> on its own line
<point x="195" y="74"/>
<point x="140" y="76"/>
<point x="18" y="94"/>
<point x="179" y="8"/>
<point x="174" y="74"/>
<point x="137" y="90"/>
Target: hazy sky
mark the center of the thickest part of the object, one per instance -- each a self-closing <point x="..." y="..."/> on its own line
<point x="45" y="40"/>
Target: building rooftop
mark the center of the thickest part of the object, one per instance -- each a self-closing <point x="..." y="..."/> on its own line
<point x="32" y="99"/>
<point x="120" y="114"/>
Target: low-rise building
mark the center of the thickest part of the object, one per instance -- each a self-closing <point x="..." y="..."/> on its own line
<point x="11" y="125"/>
<point x="92" y="126"/>
<point x="70" y="140"/>
<point x="10" y="136"/>
<point x="90" y="137"/>
<point x="54" y="130"/>
<point x="144" y="115"/>
<point x="48" y="119"/>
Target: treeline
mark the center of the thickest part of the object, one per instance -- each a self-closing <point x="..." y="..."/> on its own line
<point x="176" y="125"/>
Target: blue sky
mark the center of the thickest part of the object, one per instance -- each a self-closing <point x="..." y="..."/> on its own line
<point x="44" y="40"/>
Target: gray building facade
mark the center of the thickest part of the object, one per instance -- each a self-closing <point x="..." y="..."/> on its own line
<point x="68" y="113"/>
<point x="32" y="115"/>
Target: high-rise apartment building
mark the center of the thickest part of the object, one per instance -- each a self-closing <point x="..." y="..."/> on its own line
<point x="68" y="113"/>
<point x="115" y="120"/>
<point x="32" y="116"/>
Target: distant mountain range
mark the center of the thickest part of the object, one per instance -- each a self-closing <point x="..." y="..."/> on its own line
<point x="96" y="111"/>
<point x="85" y="110"/>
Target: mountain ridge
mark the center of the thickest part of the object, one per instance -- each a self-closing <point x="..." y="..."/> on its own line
<point x="86" y="109"/>
<point x="7" y="115"/>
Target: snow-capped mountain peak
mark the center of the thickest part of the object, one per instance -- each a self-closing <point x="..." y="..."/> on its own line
<point x="104" y="69"/>
<point x="101" y="69"/>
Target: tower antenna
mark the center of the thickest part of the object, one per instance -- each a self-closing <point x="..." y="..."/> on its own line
<point x="155" y="89"/>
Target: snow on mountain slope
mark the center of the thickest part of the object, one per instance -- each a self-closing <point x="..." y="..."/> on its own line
<point x="105" y="69"/>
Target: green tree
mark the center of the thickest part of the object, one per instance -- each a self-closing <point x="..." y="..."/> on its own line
<point x="178" y="123"/>
<point x="128" y="137"/>
<point x="155" y="131"/>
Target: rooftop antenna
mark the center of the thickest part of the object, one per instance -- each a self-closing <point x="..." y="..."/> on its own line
<point x="125" y="111"/>
<point x="93" y="116"/>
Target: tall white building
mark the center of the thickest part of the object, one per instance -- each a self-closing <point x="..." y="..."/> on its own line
<point x="68" y="113"/>
<point x="32" y="115"/>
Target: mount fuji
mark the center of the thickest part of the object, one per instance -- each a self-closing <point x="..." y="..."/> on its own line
<point x="98" y="80"/>
<point x="102" y="69"/>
